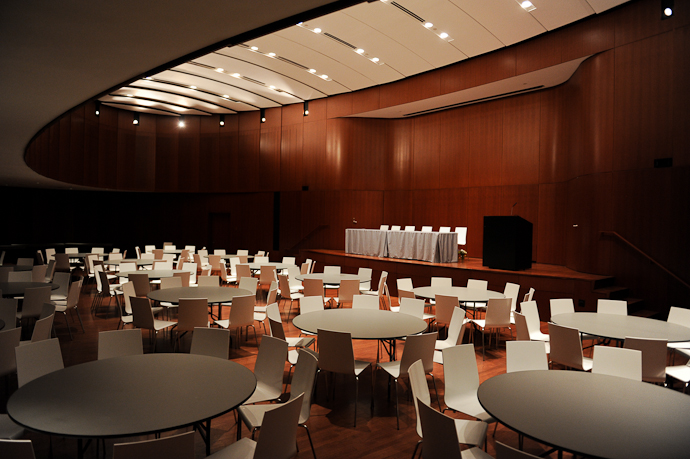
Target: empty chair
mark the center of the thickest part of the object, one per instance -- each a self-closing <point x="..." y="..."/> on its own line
<point x="566" y="348"/>
<point x="267" y="275"/>
<point x="71" y="304"/>
<point x="37" y="359"/>
<point x="301" y="387"/>
<point x="441" y="282"/>
<point x="19" y="276"/>
<point x="409" y="228"/>
<point x="497" y="317"/>
<point x="9" y="339"/>
<point x="249" y="283"/>
<point x="295" y="285"/>
<point x="512" y="291"/>
<point x="619" y="307"/>
<point x="180" y="446"/>
<point x="383" y="228"/>
<point x="444" y="229"/>
<point x="243" y="271"/>
<point x="349" y="288"/>
<point x="411" y="306"/>
<point x="561" y="306"/>
<point x="617" y="361"/>
<point x="208" y="281"/>
<point x="456" y="330"/>
<point x="25" y="261"/>
<point x="445" y="305"/>
<point x="653" y="357"/>
<point x="442" y="439"/>
<point x="417" y="347"/>
<point x="313" y="287"/>
<point x="119" y="343"/>
<point x="62" y="262"/>
<point x="220" y="252"/>
<point x="8" y="311"/>
<point x="337" y="356"/>
<point x="286" y="294"/>
<point x="462" y="234"/>
<point x="508" y="452"/>
<point x="269" y="368"/>
<point x="404" y="284"/>
<point x="213" y="342"/>
<point x="521" y="327"/>
<point x="331" y="271"/>
<point x="140" y="281"/>
<point x="529" y="295"/>
<point x="395" y="228"/>
<point x="365" y="302"/>
<point x="192" y="313"/>
<point x="679" y="316"/>
<point x="34" y="299"/>
<point x="427" y="229"/>
<point x="531" y="312"/>
<point x="241" y="315"/>
<point x="468" y="432"/>
<point x="12" y="447"/>
<point x="311" y="304"/>
<point x="142" y="317"/>
<point x="382" y="291"/>
<point x="61" y="293"/>
<point x="38" y="273"/>
<point x="526" y="356"/>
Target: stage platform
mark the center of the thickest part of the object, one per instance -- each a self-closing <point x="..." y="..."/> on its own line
<point x="549" y="281"/>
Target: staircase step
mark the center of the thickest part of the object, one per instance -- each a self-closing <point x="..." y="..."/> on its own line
<point x="613" y="292"/>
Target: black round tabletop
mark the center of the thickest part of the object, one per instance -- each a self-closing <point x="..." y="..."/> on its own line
<point x="361" y="323"/>
<point x="154" y="273"/>
<point x="18" y="288"/>
<point x="619" y="326"/>
<point x="213" y="294"/>
<point x="463" y="294"/>
<point x="2" y="324"/>
<point x="139" y="262"/>
<point x="133" y="395"/>
<point x="591" y="414"/>
<point x="334" y="279"/>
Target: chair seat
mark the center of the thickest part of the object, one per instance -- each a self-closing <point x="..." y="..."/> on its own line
<point x="241" y="449"/>
<point x="470" y="432"/>
<point x="586" y="363"/>
<point x="474" y="453"/>
<point x="259" y="316"/>
<point x="8" y="428"/>
<point x="469" y="405"/>
<point x="679" y="345"/>
<point x="253" y="415"/>
<point x="360" y="366"/>
<point x="392" y="368"/>
<point x="679" y="372"/>
<point x="263" y="393"/>
<point x="539" y="336"/>
<point x="161" y="324"/>
<point x="57" y="297"/>
<point x="299" y="342"/>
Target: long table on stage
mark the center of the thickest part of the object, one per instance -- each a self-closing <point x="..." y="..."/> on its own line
<point x="433" y="247"/>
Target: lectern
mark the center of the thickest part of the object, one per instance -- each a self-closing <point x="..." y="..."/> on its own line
<point x="507" y="243"/>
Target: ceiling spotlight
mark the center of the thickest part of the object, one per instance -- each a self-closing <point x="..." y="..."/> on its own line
<point x="359" y="51"/>
<point x="98" y="108"/>
<point x="180" y="122"/>
<point x="527" y="5"/>
<point x="306" y="108"/>
<point x="666" y="9"/>
<point x="222" y="120"/>
<point x="262" y="113"/>
<point x="135" y="121"/>
<point x="220" y="70"/>
<point x="428" y="25"/>
<point x="255" y="48"/>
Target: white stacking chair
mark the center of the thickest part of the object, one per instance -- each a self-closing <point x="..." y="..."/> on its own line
<point x="213" y="342"/>
<point x="531" y="312"/>
<point x="455" y="335"/>
<point x="395" y="228"/>
<point x="566" y="348"/>
<point x="365" y="302"/>
<point x="497" y="317"/>
<point x="444" y="229"/>
<point x="269" y="369"/>
<point x="427" y="229"/>
<point x="410" y="228"/>
<point x="653" y="357"/>
<point x="526" y="356"/>
<point x="617" y="361"/>
<point x="606" y="306"/>
<point x="118" y="343"/>
<point x="180" y="446"/>
<point x="383" y="228"/>
<point x="37" y="359"/>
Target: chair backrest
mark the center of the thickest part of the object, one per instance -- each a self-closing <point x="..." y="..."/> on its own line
<point x="331" y="270"/>
<point x="249" y="283"/>
<point x="8" y="311"/>
<point x="270" y="361"/>
<point x="142" y="315"/>
<point x="525" y="356"/>
<point x="9" y="339"/>
<point x="140" y="280"/>
<point x="278" y="439"/>
<point x="268" y="274"/>
<point x="460" y="373"/>
<point x="203" y="253"/>
<point x="5" y="273"/>
<point x="522" y="330"/>
<point x="395" y="228"/>
<point x="34" y="299"/>
<point x="311" y="304"/>
<point x="242" y="252"/>
<point x="530" y="310"/>
<point x="412" y="307"/>
<point x="293" y="272"/>
<point x="477" y="284"/>
<point x="462" y="234"/>
<point x="498" y="312"/>
<point x="529" y="295"/>
<point x="439" y="433"/>
<point x="680" y="316"/>
<point x="617" y="361"/>
<point x="50" y="253"/>
<point x="427" y="229"/>
<point x="561" y="306"/>
<point x="234" y="261"/>
<point x="260" y="259"/>
<point x="171" y="282"/>
<point x="404" y="283"/>
<point x="566" y="347"/>
<point x="243" y="271"/>
<point x="242" y="310"/>
<point x="507" y="452"/>
<point x="148" y="256"/>
<point x="420" y="389"/>
<point x="512" y="291"/>
<point x="127" y="266"/>
<point x="25" y="261"/>
<point x="128" y="292"/>
<point x="192" y="313"/>
<point x="118" y="343"/>
<point x="214" y="342"/>
<point x="37" y="359"/>
<point x="304" y="268"/>
<point x="409" y="228"/>
<point x="444" y="229"/>
<point x="383" y="228"/>
<point x="365" y="302"/>
<point x="303" y="381"/>
<point x="441" y="282"/>
<point x="219" y="251"/>
<point x="272" y="293"/>
<point x="313" y="287"/>
<point x="19" y="276"/>
<point x="208" y="281"/>
<point x="289" y="260"/>
<point x="191" y="268"/>
<point x="17" y="449"/>
<point x="164" y="265"/>
<point x="38" y="273"/>
<point x="653" y="357"/>
<point x="618" y="307"/>
<point x="62" y="279"/>
<point x="457" y="326"/>
<point x="62" y="262"/>
<point x="445" y="305"/>
<point x="335" y="352"/>
<point x="419" y="347"/>
<point x="43" y="327"/>
<point x="179" y="446"/>
<point x="276" y="328"/>
<point x="348" y="289"/>
<point x="405" y="294"/>
<point x="284" y="285"/>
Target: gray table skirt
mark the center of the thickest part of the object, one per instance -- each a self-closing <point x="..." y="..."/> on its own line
<point x="412" y="245"/>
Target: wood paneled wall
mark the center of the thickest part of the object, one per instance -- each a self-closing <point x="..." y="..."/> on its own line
<point x="576" y="159"/>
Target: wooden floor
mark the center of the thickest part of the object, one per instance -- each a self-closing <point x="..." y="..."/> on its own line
<point x="331" y="422"/>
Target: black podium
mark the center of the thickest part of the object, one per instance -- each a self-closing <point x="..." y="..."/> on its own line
<point x="507" y="243"/>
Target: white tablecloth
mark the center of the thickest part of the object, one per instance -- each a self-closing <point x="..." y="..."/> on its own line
<point x="413" y="245"/>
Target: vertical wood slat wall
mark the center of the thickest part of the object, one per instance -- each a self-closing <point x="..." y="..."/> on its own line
<point x="577" y="159"/>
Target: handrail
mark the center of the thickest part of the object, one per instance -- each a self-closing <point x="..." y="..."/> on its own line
<point x="652" y="260"/>
<point x="304" y="239"/>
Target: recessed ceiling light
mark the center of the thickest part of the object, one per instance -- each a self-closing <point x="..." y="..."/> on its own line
<point x="225" y="96"/>
<point x="192" y="87"/>
<point x="374" y="59"/>
<point x="312" y="70"/>
<point x="129" y="95"/>
<point x="220" y="70"/>
<point x="428" y="25"/>
<point x="236" y="75"/>
<point x="272" y="87"/>
<point x="359" y="51"/>
<point x="443" y="35"/>
<point x="325" y="77"/>
<point x="255" y="48"/>
<point x="271" y="54"/>
<point x="527" y="5"/>
<point x="148" y="78"/>
<point x="317" y="30"/>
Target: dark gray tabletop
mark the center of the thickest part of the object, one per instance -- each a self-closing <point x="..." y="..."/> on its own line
<point x="2" y="324"/>
<point x="153" y="273"/>
<point x="591" y="414"/>
<point x="332" y="279"/>
<point x="213" y="294"/>
<point x="139" y="262"/>
<point x="17" y="288"/>
<point x="23" y="267"/>
<point x="463" y="293"/>
<point x="134" y="395"/>
<point x="361" y="323"/>
<point x="618" y="326"/>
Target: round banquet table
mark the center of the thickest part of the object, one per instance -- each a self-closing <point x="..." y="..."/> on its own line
<point x="175" y="251"/>
<point x="10" y="289"/>
<point x="617" y="327"/>
<point x="279" y="266"/>
<point x="385" y="326"/>
<point x="153" y="273"/>
<point x="214" y="295"/>
<point x="591" y="414"/>
<point x="464" y="294"/>
<point x="334" y="279"/>
<point x="133" y="395"/>
<point x="23" y="267"/>
<point x="2" y="324"/>
<point x="139" y="262"/>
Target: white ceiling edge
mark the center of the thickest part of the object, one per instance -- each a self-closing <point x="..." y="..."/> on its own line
<point x="521" y="84"/>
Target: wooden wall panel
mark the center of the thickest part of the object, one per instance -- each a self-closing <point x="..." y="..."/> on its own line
<point x="481" y="201"/>
<point x="90" y="158"/>
<point x="366" y="100"/>
<point x="642" y="19"/>
<point x="410" y="89"/>
<point x="521" y="123"/>
<point x="167" y="146"/>
<point x="126" y="153"/>
<point x="249" y="177"/>
<point x="553" y="166"/>
<point x="64" y="161"/>
<point x="397" y="208"/>
<point x="291" y="166"/>
<point x="314" y="154"/>
<point x="318" y="110"/>
<point x="107" y="148"/>
<point x="454" y="149"/>
<point x="486" y="143"/>
<point x="189" y="155"/>
<point x="643" y="125"/>
<point x="426" y="151"/>
<point x="539" y="52"/>
<point x="209" y="154"/>
<point x="398" y="172"/>
<point x="269" y="159"/>
<point x="681" y="97"/>
<point x="292" y="114"/>
<point x="145" y="153"/>
<point x="585" y="38"/>
<point x="339" y="166"/>
<point x="484" y="69"/>
<point x="228" y="148"/>
<point x="339" y="105"/>
<point x="76" y="145"/>
<point x="368" y="153"/>
<point x="551" y="223"/>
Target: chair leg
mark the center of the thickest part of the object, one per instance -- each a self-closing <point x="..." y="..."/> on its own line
<point x="433" y="380"/>
<point x="69" y="329"/>
<point x="483" y="345"/>
<point x="313" y="451"/>
<point x="79" y="317"/>
<point x="356" y="396"/>
<point x="414" y="453"/>
<point x="397" y="408"/>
